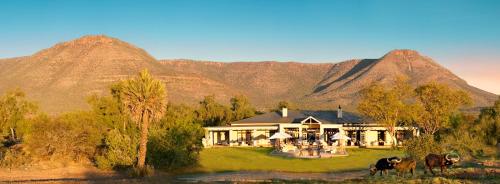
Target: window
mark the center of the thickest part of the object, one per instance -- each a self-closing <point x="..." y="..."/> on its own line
<point x="241" y="135"/>
<point x="294" y="132"/>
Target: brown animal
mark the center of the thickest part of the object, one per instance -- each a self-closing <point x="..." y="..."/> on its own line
<point x="405" y="165"/>
<point x="442" y="161"/>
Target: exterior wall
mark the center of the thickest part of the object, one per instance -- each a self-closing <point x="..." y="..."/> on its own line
<point x="260" y="138"/>
<point x="234" y="138"/>
<point x="371" y="138"/>
<point x="388" y="138"/>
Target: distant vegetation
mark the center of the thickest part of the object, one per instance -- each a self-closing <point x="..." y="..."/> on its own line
<point x="109" y="135"/>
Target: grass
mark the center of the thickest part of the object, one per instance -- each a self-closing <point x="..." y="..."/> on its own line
<point x="258" y="159"/>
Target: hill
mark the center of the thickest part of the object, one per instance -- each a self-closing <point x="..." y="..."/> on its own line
<point x="61" y="77"/>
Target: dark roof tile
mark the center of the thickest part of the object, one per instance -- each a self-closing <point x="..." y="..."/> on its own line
<point x="296" y="116"/>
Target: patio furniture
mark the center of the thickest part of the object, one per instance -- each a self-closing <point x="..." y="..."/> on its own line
<point x="279" y="136"/>
<point x="339" y="136"/>
<point x="288" y="148"/>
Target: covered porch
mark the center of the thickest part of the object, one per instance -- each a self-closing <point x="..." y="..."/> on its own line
<point x="239" y="136"/>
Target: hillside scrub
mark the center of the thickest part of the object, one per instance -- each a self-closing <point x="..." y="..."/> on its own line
<point x="107" y="135"/>
<point x="72" y="136"/>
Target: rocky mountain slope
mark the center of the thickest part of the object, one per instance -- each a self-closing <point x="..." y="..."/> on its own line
<point x="61" y="77"/>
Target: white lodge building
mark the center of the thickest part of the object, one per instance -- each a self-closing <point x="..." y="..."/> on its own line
<point x="302" y="125"/>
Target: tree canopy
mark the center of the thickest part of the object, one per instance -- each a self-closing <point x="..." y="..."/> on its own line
<point x="438" y="102"/>
<point x="386" y="106"/>
<point x="14" y="109"/>
<point x="213" y="113"/>
<point x="241" y="107"/>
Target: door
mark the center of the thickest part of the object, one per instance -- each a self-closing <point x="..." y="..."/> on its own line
<point x="248" y="137"/>
<point x="381" y="138"/>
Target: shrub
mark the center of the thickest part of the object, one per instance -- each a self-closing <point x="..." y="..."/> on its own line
<point x="462" y="136"/>
<point x="148" y="170"/>
<point x="14" y="156"/>
<point x="418" y="147"/>
<point x="71" y="136"/>
<point x="464" y="143"/>
<point x="119" y="150"/>
<point x="175" y="141"/>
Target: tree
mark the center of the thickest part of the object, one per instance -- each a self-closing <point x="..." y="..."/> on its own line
<point x="284" y="104"/>
<point x="438" y="102"/>
<point x="386" y="106"/>
<point x="14" y="109"/>
<point x="213" y="113"/>
<point x="241" y="107"/>
<point x="144" y="99"/>
<point x="110" y="111"/>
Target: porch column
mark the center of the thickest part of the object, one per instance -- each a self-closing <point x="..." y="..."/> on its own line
<point x="209" y="138"/>
<point x="229" y="137"/>
<point x="344" y="142"/>
<point x="254" y="135"/>
<point x="300" y="132"/>
<point x="321" y="133"/>
<point x="213" y="137"/>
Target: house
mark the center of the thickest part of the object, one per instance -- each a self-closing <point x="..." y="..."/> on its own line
<point x="305" y="125"/>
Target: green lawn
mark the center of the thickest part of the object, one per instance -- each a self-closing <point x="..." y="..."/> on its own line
<point x="237" y="159"/>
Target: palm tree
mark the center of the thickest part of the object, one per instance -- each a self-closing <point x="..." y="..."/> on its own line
<point x="144" y="99"/>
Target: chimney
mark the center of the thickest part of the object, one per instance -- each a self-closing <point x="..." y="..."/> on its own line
<point x="284" y="112"/>
<point x="339" y="112"/>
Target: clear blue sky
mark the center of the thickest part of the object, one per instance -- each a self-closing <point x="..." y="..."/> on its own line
<point x="452" y="32"/>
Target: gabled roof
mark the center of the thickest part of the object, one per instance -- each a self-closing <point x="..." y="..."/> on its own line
<point x="296" y="116"/>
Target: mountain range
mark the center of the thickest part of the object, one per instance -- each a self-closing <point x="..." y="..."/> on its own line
<point x="60" y="78"/>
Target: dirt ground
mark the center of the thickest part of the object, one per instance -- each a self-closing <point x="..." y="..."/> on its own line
<point x="81" y="174"/>
<point x="66" y="174"/>
<point x="75" y="174"/>
<point x="260" y="176"/>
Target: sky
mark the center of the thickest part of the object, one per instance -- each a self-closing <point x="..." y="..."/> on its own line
<point x="463" y="36"/>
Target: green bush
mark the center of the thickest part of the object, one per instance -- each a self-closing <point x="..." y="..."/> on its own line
<point x="418" y="147"/>
<point x="175" y="141"/>
<point x="464" y="143"/>
<point x="119" y="150"/>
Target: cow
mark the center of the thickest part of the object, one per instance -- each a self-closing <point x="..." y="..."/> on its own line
<point x="405" y="165"/>
<point x="383" y="165"/>
<point x="442" y="161"/>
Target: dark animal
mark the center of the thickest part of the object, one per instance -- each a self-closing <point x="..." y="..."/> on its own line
<point x="384" y="165"/>
<point x="442" y="161"/>
<point x="405" y="165"/>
